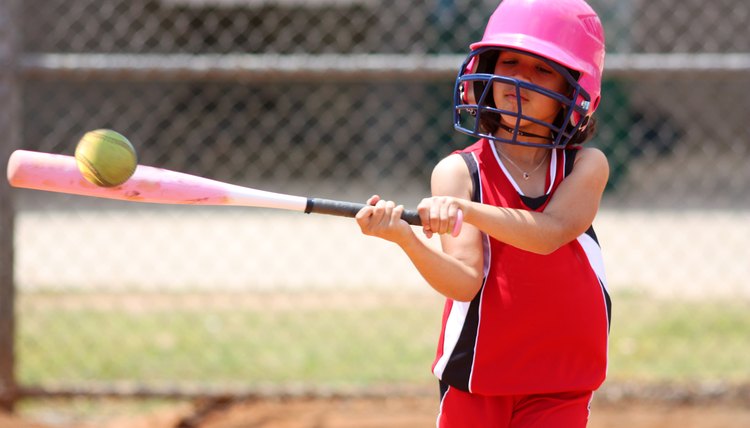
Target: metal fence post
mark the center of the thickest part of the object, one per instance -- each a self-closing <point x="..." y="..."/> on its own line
<point x="9" y="140"/>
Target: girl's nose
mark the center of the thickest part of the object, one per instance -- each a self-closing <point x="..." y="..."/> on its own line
<point x="521" y="73"/>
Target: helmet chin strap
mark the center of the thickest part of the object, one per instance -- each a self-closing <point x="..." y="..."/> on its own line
<point x="525" y="134"/>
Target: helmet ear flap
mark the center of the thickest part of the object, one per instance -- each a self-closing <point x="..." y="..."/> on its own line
<point x="467" y="87"/>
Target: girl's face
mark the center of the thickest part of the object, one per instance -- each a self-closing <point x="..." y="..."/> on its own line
<point x="532" y="70"/>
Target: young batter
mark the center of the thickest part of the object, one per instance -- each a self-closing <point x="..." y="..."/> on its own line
<point x="526" y="320"/>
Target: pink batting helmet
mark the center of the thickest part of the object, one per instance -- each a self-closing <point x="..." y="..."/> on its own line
<point x="566" y="32"/>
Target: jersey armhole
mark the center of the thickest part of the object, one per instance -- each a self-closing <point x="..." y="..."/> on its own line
<point x="570" y="159"/>
<point x="471" y="163"/>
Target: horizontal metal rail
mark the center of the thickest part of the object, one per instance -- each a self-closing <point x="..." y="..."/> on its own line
<point x="125" y="390"/>
<point x="336" y="67"/>
<point x="663" y="392"/>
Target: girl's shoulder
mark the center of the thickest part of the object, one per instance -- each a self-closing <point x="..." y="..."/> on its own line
<point x="591" y="155"/>
<point x="590" y="162"/>
<point x="453" y="164"/>
<point x="451" y="176"/>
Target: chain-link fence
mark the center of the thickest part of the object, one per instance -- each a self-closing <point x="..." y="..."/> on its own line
<point x="342" y="99"/>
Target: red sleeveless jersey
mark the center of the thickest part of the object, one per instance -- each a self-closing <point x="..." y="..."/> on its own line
<point x="539" y="323"/>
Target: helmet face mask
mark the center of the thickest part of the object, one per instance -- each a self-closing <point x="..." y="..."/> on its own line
<point x="566" y="35"/>
<point x="474" y="106"/>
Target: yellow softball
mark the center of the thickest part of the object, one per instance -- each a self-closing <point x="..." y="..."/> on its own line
<point x="105" y="158"/>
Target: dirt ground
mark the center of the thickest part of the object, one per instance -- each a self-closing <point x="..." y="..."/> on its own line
<point x="399" y="413"/>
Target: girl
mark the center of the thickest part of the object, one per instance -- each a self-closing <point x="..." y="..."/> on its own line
<point x="524" y="334"/>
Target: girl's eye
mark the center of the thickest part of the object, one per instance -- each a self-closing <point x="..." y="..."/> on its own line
<point x="544" y="70"/>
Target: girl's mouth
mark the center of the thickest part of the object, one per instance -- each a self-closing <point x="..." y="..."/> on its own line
<point x="512" y="96"/>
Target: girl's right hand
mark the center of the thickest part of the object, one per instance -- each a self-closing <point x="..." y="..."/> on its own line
<point x="382" y="219"/>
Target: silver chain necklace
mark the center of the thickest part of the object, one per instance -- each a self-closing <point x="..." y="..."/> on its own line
<point x="526" y="174"/>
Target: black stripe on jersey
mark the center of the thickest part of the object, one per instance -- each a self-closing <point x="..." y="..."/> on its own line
<point x="570" y="156"/>
<point x="458" y="369"/>
<point x="534" y="203"/>
<point x="608" y="302"/>
<point x="457" y="372"/>
<point x="474" y="172"/>
<point x="443" y="389"/>
<point x="590" y="232"/>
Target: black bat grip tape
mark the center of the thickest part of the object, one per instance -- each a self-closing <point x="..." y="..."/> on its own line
<point x="350" y="209"/>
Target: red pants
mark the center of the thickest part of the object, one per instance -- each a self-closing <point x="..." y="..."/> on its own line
<point x="460" y="409"/>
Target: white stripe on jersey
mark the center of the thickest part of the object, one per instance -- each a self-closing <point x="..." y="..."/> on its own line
<point x="594" y="254"/>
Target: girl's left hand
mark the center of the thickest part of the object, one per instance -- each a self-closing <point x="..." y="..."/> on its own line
<point x="440" y="214"/>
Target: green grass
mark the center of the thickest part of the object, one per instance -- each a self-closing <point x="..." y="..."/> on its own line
<point x="662" y="340"/>
<point x="328" y="346"/>
<point x="651" y="340"/>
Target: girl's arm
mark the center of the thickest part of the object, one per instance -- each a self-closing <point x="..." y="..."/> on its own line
<point x="570" y="212"/>
<point x="456" y="272"/>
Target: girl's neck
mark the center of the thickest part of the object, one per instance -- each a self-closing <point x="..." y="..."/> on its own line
<point x="525" y="157"/>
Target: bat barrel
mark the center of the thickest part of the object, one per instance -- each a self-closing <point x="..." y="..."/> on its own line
<point x="59" y="173"/>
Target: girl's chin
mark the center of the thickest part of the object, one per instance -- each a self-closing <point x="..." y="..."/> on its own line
<point x="511" y="125"/>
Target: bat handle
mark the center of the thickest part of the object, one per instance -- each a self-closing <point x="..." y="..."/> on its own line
<point x="350" y="209"/>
